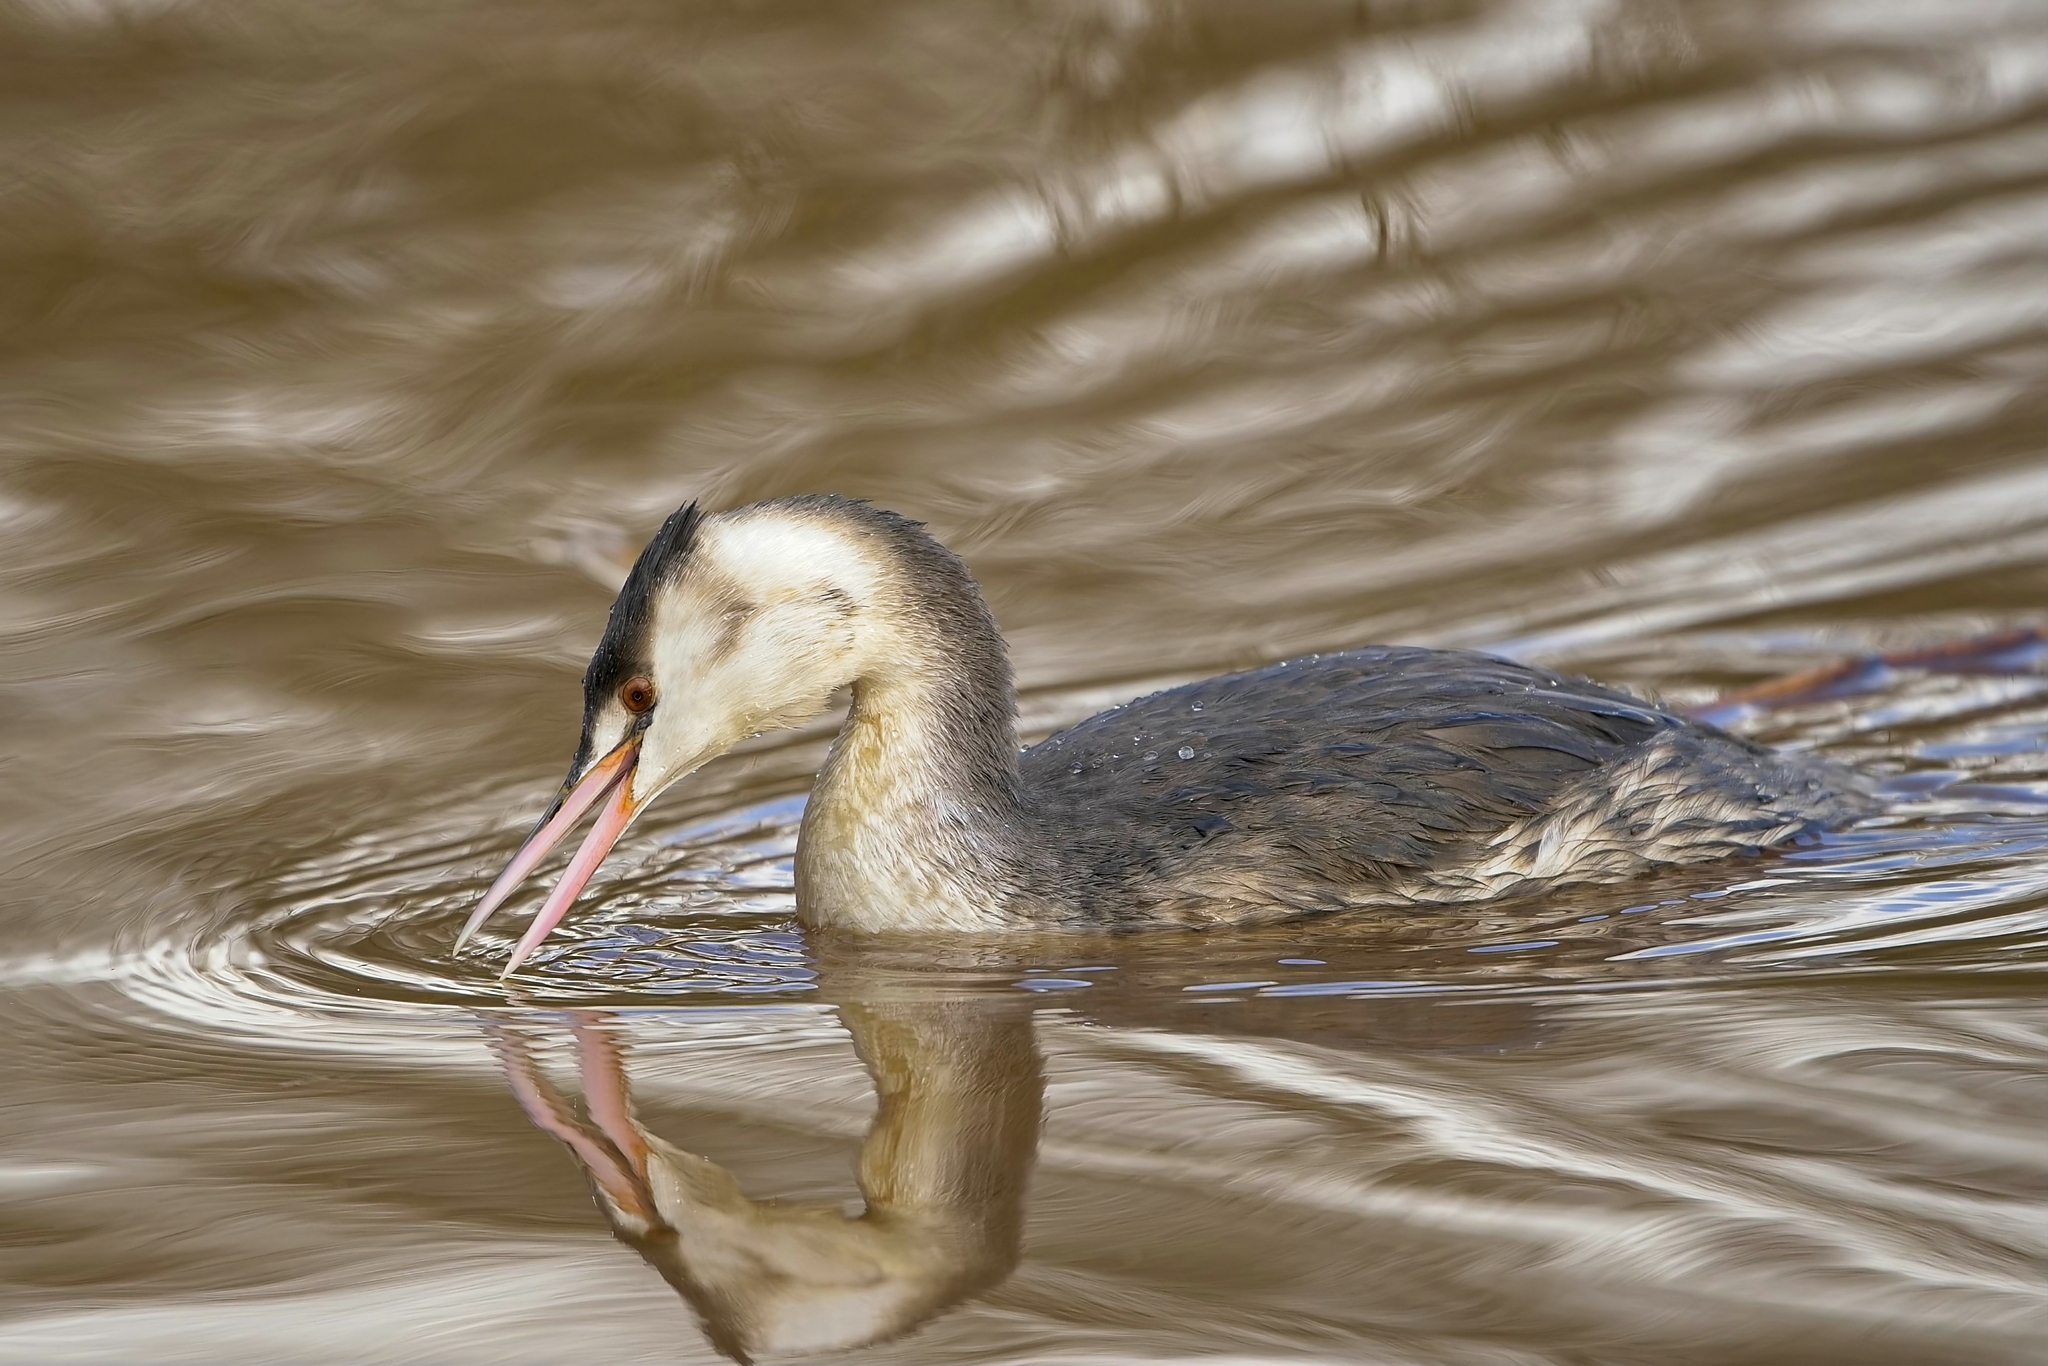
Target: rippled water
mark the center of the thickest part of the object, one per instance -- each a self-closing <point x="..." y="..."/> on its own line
<point x="351" y="350"/>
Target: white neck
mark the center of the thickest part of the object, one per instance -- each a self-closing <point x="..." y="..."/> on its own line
<point x="896" y="836"/>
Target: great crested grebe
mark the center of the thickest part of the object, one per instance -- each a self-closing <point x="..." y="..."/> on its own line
<point x="1377" y="776"/>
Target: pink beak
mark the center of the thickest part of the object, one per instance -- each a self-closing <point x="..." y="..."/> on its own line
<point x="610" y="776"/>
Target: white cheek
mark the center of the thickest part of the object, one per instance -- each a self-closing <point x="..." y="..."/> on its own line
<point x="709" y="699"/>
<point x="671" y="749"/>
<point x="794" y="661"/>
<point x="607" y="733"/>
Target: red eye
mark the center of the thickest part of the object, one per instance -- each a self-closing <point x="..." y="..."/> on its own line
<point x="636" y="694"/>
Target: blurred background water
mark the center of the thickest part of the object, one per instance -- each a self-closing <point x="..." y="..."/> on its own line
<point x="350" y="351"/>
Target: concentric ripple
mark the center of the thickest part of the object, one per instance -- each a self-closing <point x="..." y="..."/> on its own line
<point x="700" y="915"/>
<point x="360" y="938"/>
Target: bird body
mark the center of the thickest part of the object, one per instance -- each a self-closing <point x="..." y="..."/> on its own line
<point x="1389" y="775"/>
<point x="1372" y="777"/>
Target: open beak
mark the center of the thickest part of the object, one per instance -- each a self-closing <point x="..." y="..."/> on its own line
<point x="609" y="781"/>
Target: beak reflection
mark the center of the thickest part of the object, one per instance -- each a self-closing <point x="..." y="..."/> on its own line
<point x="610" y="777"/>
<point x="943" y="1172"/>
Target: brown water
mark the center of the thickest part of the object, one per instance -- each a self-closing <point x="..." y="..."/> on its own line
<point x="350" y="349"/>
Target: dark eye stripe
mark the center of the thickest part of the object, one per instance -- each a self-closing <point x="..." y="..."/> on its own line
<point x="624" y="647"/>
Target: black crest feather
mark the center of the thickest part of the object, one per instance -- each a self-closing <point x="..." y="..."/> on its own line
<point x="624" y="647"/>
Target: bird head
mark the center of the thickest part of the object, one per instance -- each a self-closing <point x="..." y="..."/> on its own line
<point x="728" y="626"/>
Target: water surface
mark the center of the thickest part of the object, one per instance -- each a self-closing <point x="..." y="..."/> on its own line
<point x="351" y="350"/>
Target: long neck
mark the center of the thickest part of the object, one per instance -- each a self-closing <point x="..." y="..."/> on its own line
<point x="914" y="820"/>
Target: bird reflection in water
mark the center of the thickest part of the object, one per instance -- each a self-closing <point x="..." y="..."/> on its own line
<point x="942" y="1172"/>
